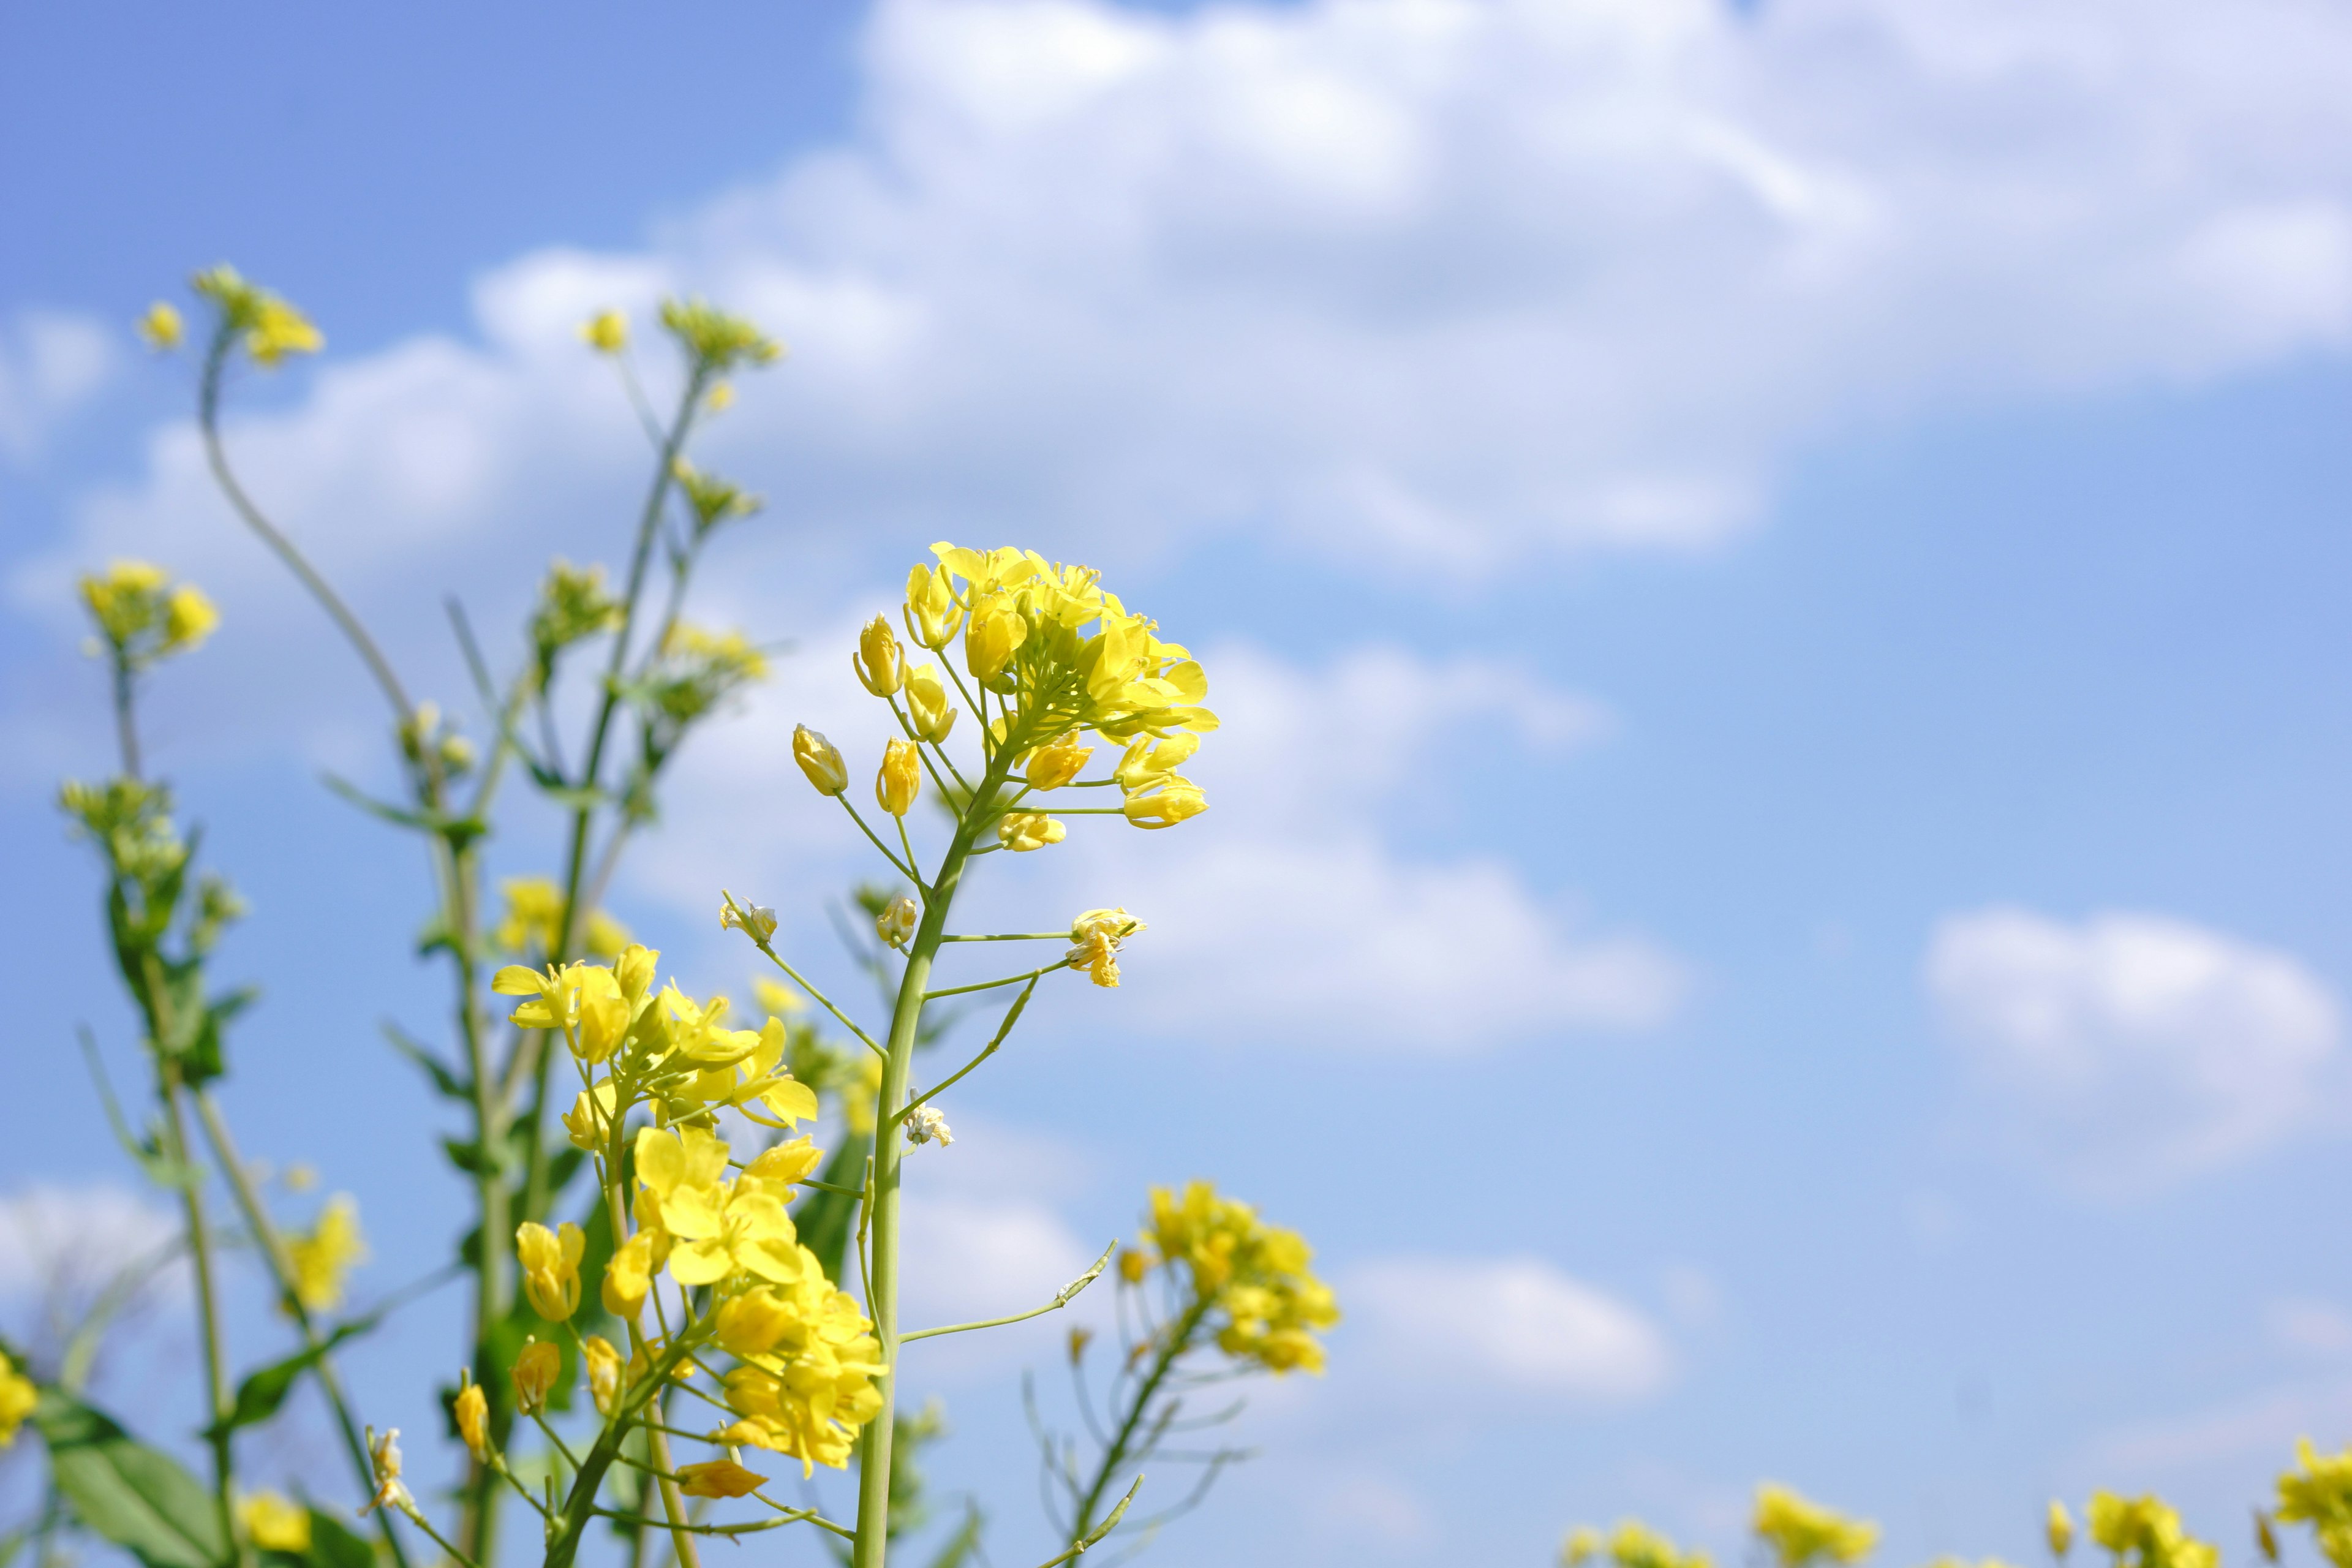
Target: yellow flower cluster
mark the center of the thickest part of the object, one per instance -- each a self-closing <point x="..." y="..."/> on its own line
<point x="534" y="909"/>
<point x="2146" y="1532"/>
<point x="1631" y="1544"/>
<point x="272" y="329"/>
<point x="275" y="1523"/>
<point x="320" y="1260"/>
<point x="2320" y="1494"/>
<point x="1236" y="1268"/>
<point x="144" y="617"/>
<point x="1802" y="1534"/>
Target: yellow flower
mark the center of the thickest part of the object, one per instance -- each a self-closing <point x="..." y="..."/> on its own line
<point x="188" y="619"/>
<point x="603" y="1372"/>
<point x="1133" y="1265"/>
<point x="901" y="776"/>
<point x="819" y="760"/>
<point x="995" y="633"/>
<point x="532" y="923"/>
<point x="932" y="613"/>
<point x="718" y="341"/>
<point x="786" y="1164"/>
<point x="1150" y="760"/>
<point x="17" y="1398"/>
<point x="1633" y="1544"/>
<point x="809" y="1364"/>
<point x="778" y="999"/>
<point x="757" y="921"/>
<point x="160" y="328"/>
<point x="1800" y="1532"/>
<point x="628" y="1275"/>
<point x="754" y="1235"/>
<point x="279" y="330"/>
<point x="926" y="703"/>
<point x="896" y="924"/>
<point x="1258" y="1274"/>
<point x="1097" y="935"/>
<point x="717" y="1479"/>
<point x="536" y="1367"/>
<point x="1053" y="765"/>
<point x="551" y="1267"/>
<point x="1021" y="831"/>
<point x="2146" y="1532"/>
<point x="472" y="1410"/>
<point x="275" y="1523"/>
<point x="143" y="619"/>
<point x="2058" y="1529"/>
<point x="877" y="663"/>
<point x="607" y="331"/>
<point x="2321" y="1497"/>
<point x="320" y="1261"/>
<point x="1171" y="800"/>
<point x="719" y="398"/>
<point x="1582" y="1545"/>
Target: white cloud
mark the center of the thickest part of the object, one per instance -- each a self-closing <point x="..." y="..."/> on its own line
<point x="66" y="1244"/>
<point x="51" y="364"/>
<point x="2313" y="1326"/>
<point x="2130" y="1050"/>
<point x="1420" y="282"/>
<point x="1512" y="1328"/>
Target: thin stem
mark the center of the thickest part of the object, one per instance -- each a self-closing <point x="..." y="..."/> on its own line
<point x="200" y="1253"/>
<point x="126" y="729"/>
<point x="1179" y="1340"/>
<point x="1061" y="1298"/>
<point x="991" y="984"/>
<point x="899" y="865"/>
<point x="1015" y="936"/>
<point x="1011" y="1016"/>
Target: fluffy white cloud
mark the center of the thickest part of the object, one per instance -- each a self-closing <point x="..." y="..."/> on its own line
<point x="66" y="1244"/>
<point x="51" y="364"/>
<point x="1425" y="281"/>
<point x="1509" y="1329"/>
<point x="2129" y="1050"/>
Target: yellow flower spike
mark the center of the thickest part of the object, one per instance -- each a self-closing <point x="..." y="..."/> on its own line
<point x="19" y="1397"/>
<point x="607" y="331"/>
<point x="160" y="328"/>
<point x="718" y="341"/>
<point x="927" y="704"/>
<point x="536" y="1367"/>
<point x="896" y="924"/>
<point x="719" y="1478"/>
<point x="1166" y="804"/>
<point x="2319" y="1494"/>
<point x="471" y="1410"/>
<point x="819" y="760"/>
<point x="1052" y="767"/>
<point x="2058" y="1529"/>
<point x="878" y="664"/>
<point x="932" y="613"/>
<point x="628" y="1275"/>
<point x="1802" y="1534"/>
<point x="603" y="1372"/>
<point x="1021" y="831"/>
<point x="902" y="777"/>
<point x="320" y="1261"/>
<point x="551" y="1267"/>
<point x="273" y="1522"/>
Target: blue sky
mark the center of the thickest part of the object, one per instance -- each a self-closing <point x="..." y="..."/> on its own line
<point x="1774" y="902"/>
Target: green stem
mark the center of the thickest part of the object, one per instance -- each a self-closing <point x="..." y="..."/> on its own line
<point x="882" y="1207"/>
<point x="1180" y="1340"/>
<point x="200" y="1253"/>
<point x="281" y="1273"/>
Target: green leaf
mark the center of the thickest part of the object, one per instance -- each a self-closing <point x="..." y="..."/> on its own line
<point x="964" y="1541"/>
<point x="467" y="1156"/>
<point x="134" y="1496"/>
<point x="444" y="1076"/>
<point x="259" y="1396"/>
<point x="334" y="1545"/>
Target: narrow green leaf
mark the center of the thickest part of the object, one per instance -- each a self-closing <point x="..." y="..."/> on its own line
<point x="126" y="1492"/>
<point x="961" y="1546"/>
<point x="259" y="1396"/>
<point x="444" y="1078"/>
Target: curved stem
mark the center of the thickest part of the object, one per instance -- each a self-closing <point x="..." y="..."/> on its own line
<point x="1179" y="1339"/>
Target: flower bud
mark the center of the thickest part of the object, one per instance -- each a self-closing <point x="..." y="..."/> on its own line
<point x="1148" y="760"/>
<point x="819" y="760"/>
<point x="932" y="613"/>
<point x="1168" y="801"/>
<point x="995" y="633"/>
<point x="628" y="1276"/>
<point x="473" y="1412"/>
<point x="551" y="1267"/>
<point x="607" y="331"/>
<point x="603" y="1372"/>
<point x="535" y="1369"/>
<point x="1021" y="831"/>
<point x="925" y="1125"/>
<point x="878" y="662"/>
<point x="2059" y="1527"/>
<point x="757" y="921"/>
<point x="160" y="327"/>
<point x="926" y="703"/>
<point x="1052" y="767"/>
<point x="383" y="1453"/>
<point x="896" y="924"/>
<point x="901" y="776"/>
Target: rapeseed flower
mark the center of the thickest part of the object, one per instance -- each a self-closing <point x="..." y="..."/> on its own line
<point x="1057" y="763"/>
<point x="717" y="1479"/>
<point x="551" y="1267"/>
<point x="927" y="704"/>
<point x="808" y="1363"/>
<point x="607" y="332"/>
<point x="1802" y="1534"/>
<point x="1021" y="831"/>
<point x="2058" y="1529"/>
<point x="320" y="1260"/>
<point x="1097" y="935"/>
<point x="902" y="777"/>
<point x="383" y="1458"/>
<point x="1253" y="1278"/>
<point x="896" y="924"/>
<point x="717" y="341"/>
<point x="272" y="329"/>
<point x="142" y="616"/>
<point x="819" y="760"/>
<point x="471" y="1411"/>
<point x="2146" y="1532"/>
<point x="536" y="1367"/>
<point x="273" y="1522"/>
<point x="18" y="1396"/>
<point x="603" y="1364"/>
<point x="628" y="1275"/>
<point x="925" y="1124"/>
<point x="932" y="613"/>
<point x="161" y="327"/>
<point x="878" y="665"/>
<point x="2320" y="1495"/>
